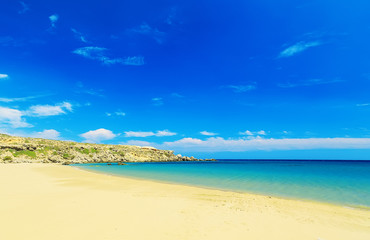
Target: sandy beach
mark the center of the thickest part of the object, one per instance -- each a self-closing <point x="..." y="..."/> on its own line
<point x="46" y="201"/>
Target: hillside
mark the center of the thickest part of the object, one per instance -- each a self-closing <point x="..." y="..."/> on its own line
<point x="32" y="150"/>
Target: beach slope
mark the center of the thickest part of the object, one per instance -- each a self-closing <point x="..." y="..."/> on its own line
<point x="47" y="201"/>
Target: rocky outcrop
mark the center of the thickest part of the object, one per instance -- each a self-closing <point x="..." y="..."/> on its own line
<point x="32" y="150"/>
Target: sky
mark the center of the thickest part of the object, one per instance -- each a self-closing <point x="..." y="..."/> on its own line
<point x="247" y="79"/>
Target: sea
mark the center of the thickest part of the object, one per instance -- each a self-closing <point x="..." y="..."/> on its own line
<point x="341" y="182"/>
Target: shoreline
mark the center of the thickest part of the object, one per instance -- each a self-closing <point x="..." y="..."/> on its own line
<point x="361" y="207"/>
<point x="48" y="201"/>
<point x="312" y="200"/>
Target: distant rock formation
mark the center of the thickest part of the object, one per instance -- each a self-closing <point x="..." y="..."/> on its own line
<point x="36" y="150"/>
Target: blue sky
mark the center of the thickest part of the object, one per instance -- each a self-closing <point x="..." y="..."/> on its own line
<point x="240" y="79"/>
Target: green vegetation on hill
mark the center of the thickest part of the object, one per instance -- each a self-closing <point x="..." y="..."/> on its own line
<point x="19" y="149"/>
<point x="28" y="153"/>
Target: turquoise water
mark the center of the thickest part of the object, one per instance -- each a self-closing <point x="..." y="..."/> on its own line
<point x="340" y="182"/>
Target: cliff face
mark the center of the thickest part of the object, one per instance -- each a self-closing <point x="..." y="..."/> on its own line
<point x="19" y="149"/>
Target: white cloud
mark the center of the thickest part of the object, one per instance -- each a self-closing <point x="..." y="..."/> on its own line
<point x="8" y="100"/>
<point x="91" y="52"/>
<point x="49" y="110"/>
<point x="53" y="19"/>
<point x="4" y="76"/>
<point x="47" y="134"/>
<point x="79" y="35"/>
<point x="99" y="54"/>
<point x="163" y="133"/>
<point x="206" y="133"/>
<point x="218" y="144"/>
<point x="247" y="132"/>
<point x="96" y="136"/>
<point x="118" y="113"/>
<point x="12" y="118"/>
<point x="298" y="48"/>
<point x="241" y="88"/>
<point x="261" y="132"/>
<point x="67" y="106"/>
<point x="24" y="9"/>
<point x="139" y="134"/>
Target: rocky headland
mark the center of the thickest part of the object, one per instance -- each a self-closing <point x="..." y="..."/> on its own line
<point x="36" y="150"/>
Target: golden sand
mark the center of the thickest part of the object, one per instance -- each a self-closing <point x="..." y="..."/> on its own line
<point x="41" y="201"/>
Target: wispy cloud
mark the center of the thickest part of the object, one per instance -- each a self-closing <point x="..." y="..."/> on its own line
<point x="3" y="76"/>
<point x="145" y="29"/>
<point x="49" y="110"/>
<point x="21" y="99"/>
<point x="99" y="54"/>
<point x="206" y="133"/>
<point x="8" y="41"/>
<point x="171" y="16"/>
<point x="96" y="136"/>
<point x="82" y="89"/>
<point x="118" y="113"/>
<point x="12" y="118"/>
<point x="309" y="82"/>
<point x="298" y="48"/>
<point x="96" y="53"/>
<point x="242" y="88"/>
<point x="79" y="35"/>
<point x="176" y="95"/>
<point x="249" y="133"/>
<point x="157" y="101"/>
<point x="218" y="144"/>
<point x="93" y="92"/>
<point x="24" y="9"/>
<point x="134" y="61"/>
<point x="363" y="105"/>
<point x="139" y="134"/>
<point x="53" y="19"/>
<point x="163" y="133"/>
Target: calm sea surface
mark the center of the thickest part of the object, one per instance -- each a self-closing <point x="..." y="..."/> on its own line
<point x="340" y="182"/>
